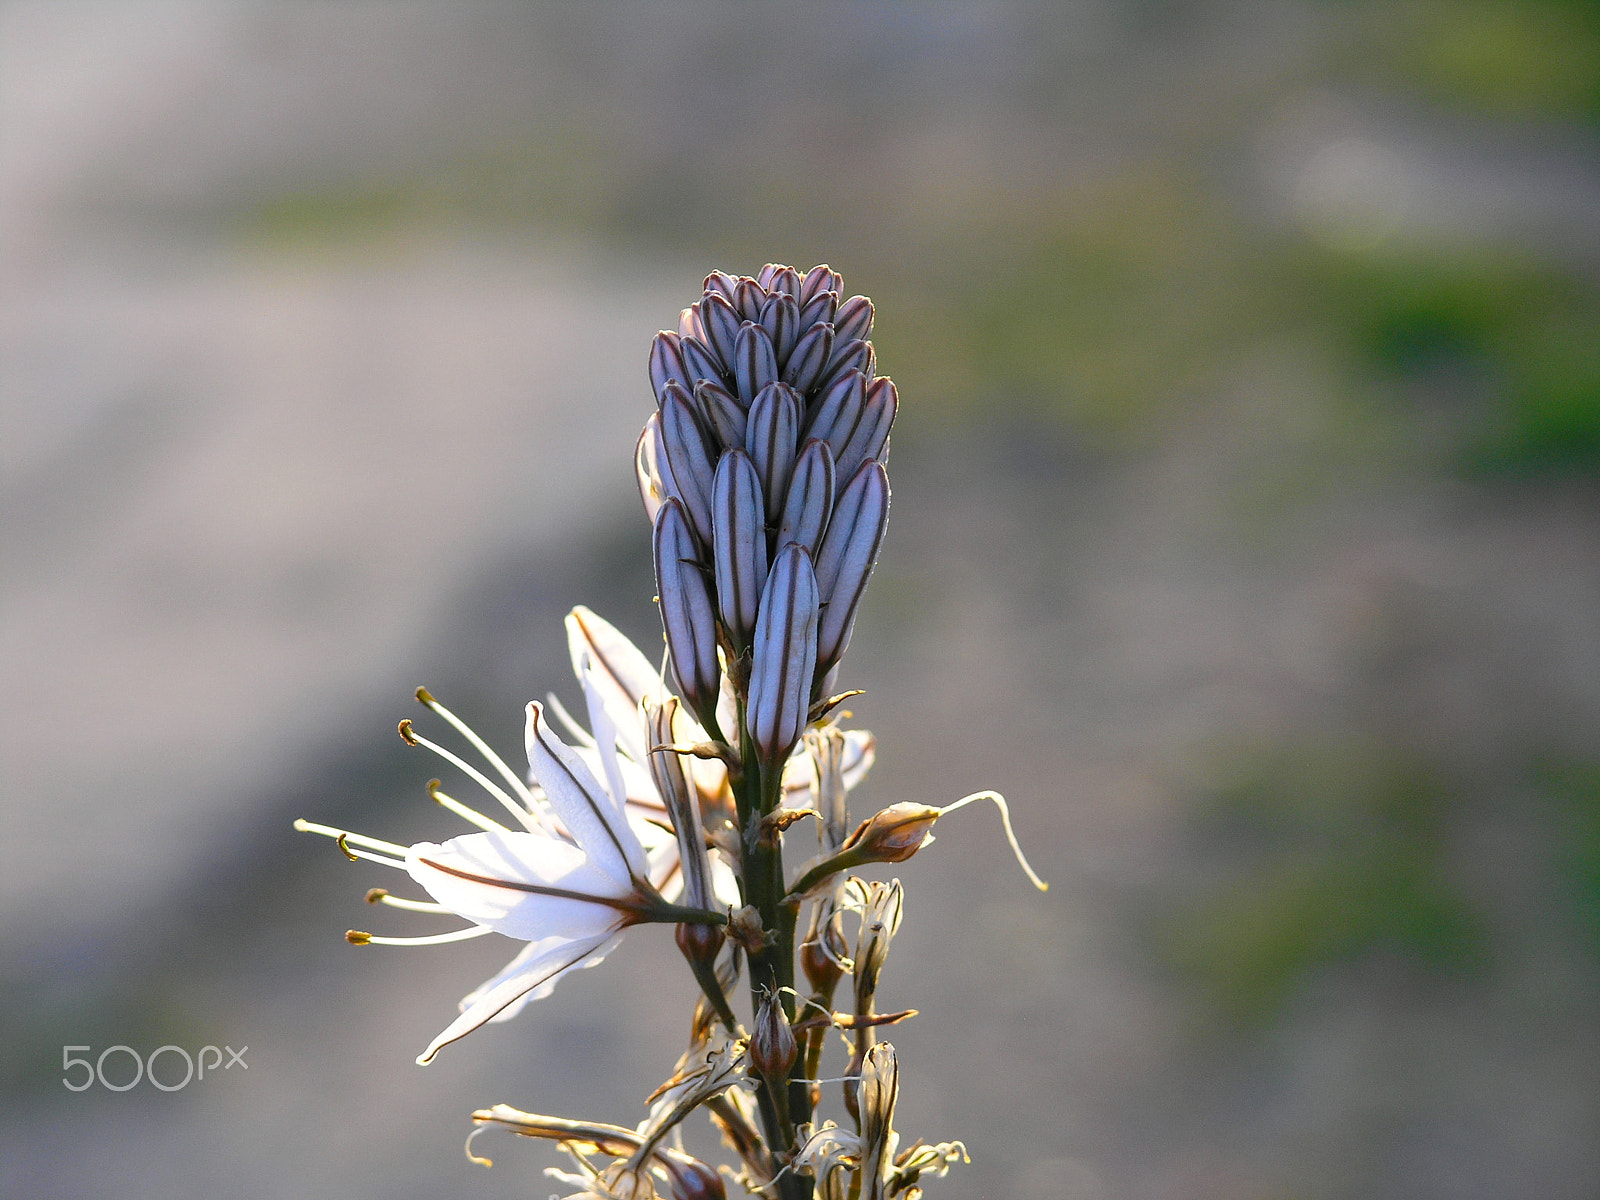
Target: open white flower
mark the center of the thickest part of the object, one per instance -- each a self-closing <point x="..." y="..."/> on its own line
<point x="593" y="852"/>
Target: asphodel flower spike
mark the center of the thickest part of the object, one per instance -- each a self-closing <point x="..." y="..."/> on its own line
<point x="675" y="796"/>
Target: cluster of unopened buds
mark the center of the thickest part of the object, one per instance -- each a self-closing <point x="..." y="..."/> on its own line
<point x="762" y="471"/>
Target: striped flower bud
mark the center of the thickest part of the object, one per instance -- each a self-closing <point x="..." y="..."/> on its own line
<point x="739" y="543"/>
<point x="688" y="459"/>
<point x="754" y="363"/>
<point x="838" y="412"/>
<point x="722" y="284"/>
<point x="809" y="501"/>
<point x="666" y="363"/>
<point x="722" y="414"/>
<point x="847" y="356"/>
<point x="771" y="436"/>
<point x="846" y="557"/>
<point x="854" y="320"/>
<point x="687" y="616"/>
<point x="721" y="324"/>
<point x="748" y="297"/>
<point x="784" y="655"/>
<point x="780" y="316"/>
<point x="804" y="364"/>
<point x="821" y="278"/>
<point x="670" y="771"/>
<point x="819" y="309"/>
<point x="779" y="279"/>
<point x="698" y="361"/>
<point x="871" y="434"/>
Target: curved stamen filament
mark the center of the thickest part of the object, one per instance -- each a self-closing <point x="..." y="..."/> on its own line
<point x="382" y="896"/>
<point x="483" y="748"/>
<point x="1005" y="820"/>
<point x="346" y="839"/>
<point x="527" y="816"/>
<point x="358" y="938"/>
<point x="461" y="810"/>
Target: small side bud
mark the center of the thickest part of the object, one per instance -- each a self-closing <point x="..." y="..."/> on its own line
<point x="893" y="834"/>
<point x="824" y="953"/>
<point x="772" y="1044"/>
<point x="700" y="943"/>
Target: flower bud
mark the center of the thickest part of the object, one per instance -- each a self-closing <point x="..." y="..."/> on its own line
<point x="771" y="435"/>
<point x="687" y="617"/>
<point x="780" y="317"/>
<point x="854" y="320"/>
<point x="700" y="944"/>
<point x="688" y="458"/>
<point x="722" y="414"/>
<point x="871" y="434"/>
<point x="699" y="363"/>
<point x="754" y="363"/>
<point x="893" y="834"/>
<point x="839" y="411"/>
<point x="821" y="278"/>
<point x="721" y="325"/>
<point x="739" y="544"/>
<point x="809" y="502"/>
<point x="666" y="363"/>
<point x="846" y="557"/>
<point x="772" y="1044"/>
<point x="847" y="356"/>
<point x="811" y="352"/>
<point x="784" y="655"/>
<point x="822" y="954"/>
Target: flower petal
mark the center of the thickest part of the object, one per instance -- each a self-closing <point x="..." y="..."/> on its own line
<point x="486" y="877"/>
<point x="583" y="805"/>
<point x="532" y="975"/>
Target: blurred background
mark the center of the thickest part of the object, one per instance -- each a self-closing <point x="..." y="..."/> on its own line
<point x="1245" y="535"/>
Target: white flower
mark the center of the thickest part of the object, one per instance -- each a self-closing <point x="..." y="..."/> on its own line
<point x="593" y="852"/>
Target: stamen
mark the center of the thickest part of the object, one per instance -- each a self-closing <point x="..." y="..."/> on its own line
<point x="527" y="818"/>
<point x="462" y="811"/>
<point x="1005" y="819"/>
<point x="479" y="1159"/>
<point x="355" y="839"/>
<point x="382" y="896"/>
<point x="499" y="764"/>
<point x="437" y="939"/>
